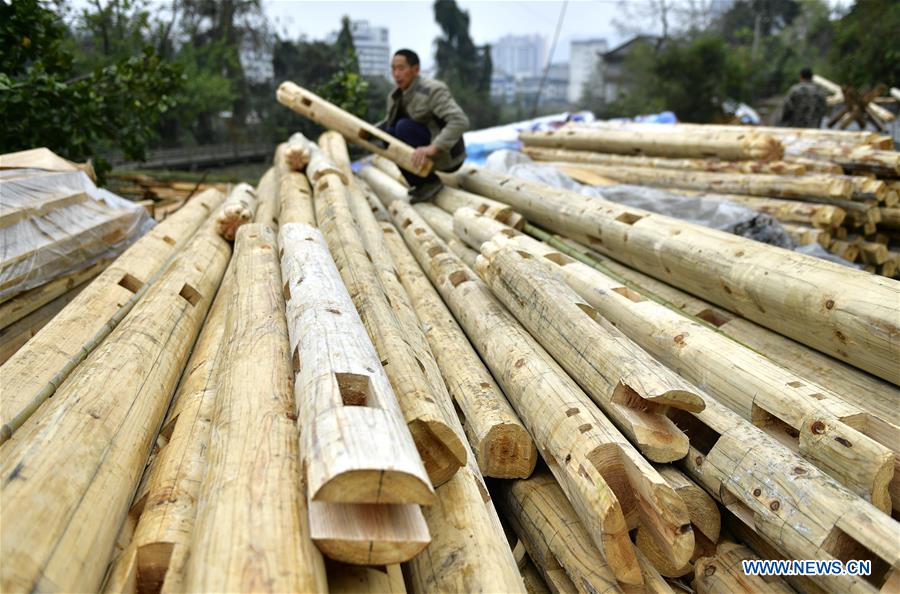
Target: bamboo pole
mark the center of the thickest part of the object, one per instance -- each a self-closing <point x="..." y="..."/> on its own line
<point x="503" y="448"/>
<point x="661" y="142"/>
<point x="631" y="388"/>
<point x="344" y="407"/>
<point x="239" y="209"/>
<point x="762" y="184"/>
<point x="250" y="531"/>
<point x="856" y="324"/>
<point x="804" y="414"/>
<point x="713" y="165"/>
<point x="39" y="367"/>
<point x="357" y="131"/>
<point x="582" y="448"/>
<point x="157" y="552"/>
<point x="70" y="474"/>
<point x="402" y="355"/>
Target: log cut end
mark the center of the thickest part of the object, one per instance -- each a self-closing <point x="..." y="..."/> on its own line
<point x="441" y="449"/>
<point x="376" y="486"/>
<point x="507" y="452"/>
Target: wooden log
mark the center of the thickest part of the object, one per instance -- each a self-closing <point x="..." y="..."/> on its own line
<point x="389" y="167"/>
<point x="430" y="422"/>
<point x="268" y="205"/>
<point x="583" y="175"/>
<point x="360" y="579"/>
<point x="803" y="235"/>
<point x="296" y="154"/>
<point x="725" y="145"/>
<point x="855" y="324"/>
<point x="503" y="448"/>
<point x="871" y="252"/>
<point x="705" y="519"/>
<point x="866" y="188"/>
<point x="24" y="303"/>
<point x="164" y="509"/>
<point x="295" y="198"/>
<point x="451" y="199"/>
<point x="712" y="165"/>
<point x="239" y="209"/>
<point x="354" y="129"/>
<point x="469" y="551"/>
<point x="816" y="165"/>
<point x="17" y="334"/>
<point x="784" y="404"/>
<point x="876" y="413"/>
<point x="860" y="158"/>
<point x="344" y="398"/>
<point x="534" y="581"/>
<point x="250" y="531"/>
<point x="442" y="223"/>
<point x="767" y="185"/>
<point x="40" y="366"/>
<point x="890" y="218"/>
<point x="70" y="473"/>
<point x="838" y="97"/>
<point x="583" y="449"/>
<point x="801" y="511"/>
<point x="786" y="211"/>
<point x="845" y="250"/>
<point x="631" y="388"/>
<point x="723" y="572"/>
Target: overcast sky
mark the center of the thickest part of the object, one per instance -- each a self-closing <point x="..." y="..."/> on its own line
<point x="411" y="22"/>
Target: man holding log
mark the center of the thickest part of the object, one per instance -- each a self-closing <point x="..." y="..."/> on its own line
<point x="422" y="113"/>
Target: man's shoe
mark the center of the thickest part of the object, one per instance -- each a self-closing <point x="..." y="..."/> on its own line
<point x="425" y="191"/>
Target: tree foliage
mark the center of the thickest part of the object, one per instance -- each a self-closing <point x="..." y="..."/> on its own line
<point x="866" y="51"/>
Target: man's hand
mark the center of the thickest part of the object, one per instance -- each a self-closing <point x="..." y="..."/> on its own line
<point x="423" y="152"/>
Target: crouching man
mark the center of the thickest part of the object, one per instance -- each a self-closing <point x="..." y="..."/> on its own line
<point x="422" y="113"/>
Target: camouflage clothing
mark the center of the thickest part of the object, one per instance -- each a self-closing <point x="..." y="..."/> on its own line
<point x="804" y="107"/>
<point x="429" y="102"/>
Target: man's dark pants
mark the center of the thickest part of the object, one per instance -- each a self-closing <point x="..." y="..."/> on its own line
<point x="415" y="135"/>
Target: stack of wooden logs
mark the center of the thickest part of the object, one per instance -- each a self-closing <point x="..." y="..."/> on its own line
<point x="839" y="189"/>
<point x="160" y="197"/>
<point x="373" y="397"/>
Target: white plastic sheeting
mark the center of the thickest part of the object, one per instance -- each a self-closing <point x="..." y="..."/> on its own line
<point x="707" y="210"/>
<point x="55" y="223"/>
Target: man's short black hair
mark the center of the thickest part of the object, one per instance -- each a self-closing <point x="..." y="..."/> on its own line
<point x="806" y="74"/>
<point x="412" y="58"/>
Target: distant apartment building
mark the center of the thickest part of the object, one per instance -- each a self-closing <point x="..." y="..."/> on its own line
<point x="519" y="55"/>
<point x="373" y="48"/>
<point x="503" y="86"/>
<point x="584" y="55"/>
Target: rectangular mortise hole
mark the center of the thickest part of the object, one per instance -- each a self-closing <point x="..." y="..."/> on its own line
<point x="434" y="251"/>
<point x="629" y="218"/>
<point x="775" y="427"/>
<point x="131" y="283"/>
<point x="354" y="388"/>
<point x="713" y="317"/>
<point x="482" y="208"/>
<point x="559" y="259"/>
<point x="169" y="240"/>
<point x="594" y="240"/>
<point x="458" y="277"/>
<point x="629" y="294"/>
<point x="844" y="547"/>
<point x="703" y="438"/>
<point x="306" y="101"/>
<point x="190" y="294"/>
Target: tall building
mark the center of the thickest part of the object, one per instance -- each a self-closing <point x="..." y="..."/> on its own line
<point x="584" y="55"/>
<point x="519" y="55"/>
<point x="373" y="48"/>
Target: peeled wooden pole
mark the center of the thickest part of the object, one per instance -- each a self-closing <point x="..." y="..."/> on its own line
<point x="295" y="199"/>
<point x="803" y="235"/>
<point x="442" y="223"/>
<point x="157" y="553"/>
<point x="390" y="168"/>
<point x="344" y="398"/>
<point x="450" y="199"/>
<point x="563" y="155"/>
<point x="631" y="388"/>
<point x="859" y="158"/>
<point x="661" y="142"/>
<point x="823" y="216"/>
<point x="268" y="205"/>
<point x="429" y="420"/>
<point x="251" y="531"/>
<point x="848" y="314"/>
<point x="793" y="408"/>
<point x="705" y="519"/>
<point x="351" y="127"/>
<point x="39" y="367"/>
<point x="763" y="184"/>
<point x="724" y="572"/>
<point x="239" y="209"/>
<point x="503" y="448"/>
<point x="581" y="446"/>
<point x="70" y="474"/>
<point x="295" y="154"/>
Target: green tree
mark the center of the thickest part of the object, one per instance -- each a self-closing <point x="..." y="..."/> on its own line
<point x="865" y="51"/>
<point x="465" y="67"/>
<point x="45" y="102"/>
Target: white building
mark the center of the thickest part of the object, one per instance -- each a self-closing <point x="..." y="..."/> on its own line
<point x="519" y="55"/>
<point x="584" y="55"/>
<point x="373" y="48"/>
